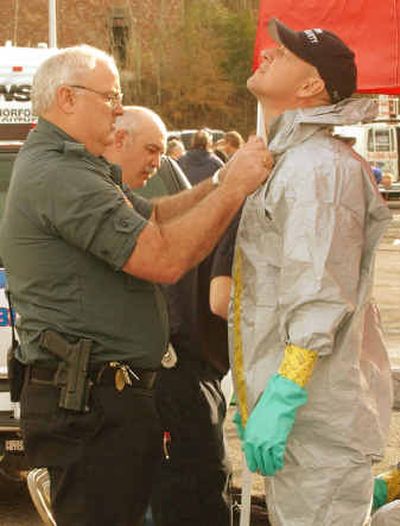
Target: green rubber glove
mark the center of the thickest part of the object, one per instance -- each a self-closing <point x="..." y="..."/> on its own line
<point x="380" y="493"/>
<point x="237" y="419"/>
<point x="270" y="423"/>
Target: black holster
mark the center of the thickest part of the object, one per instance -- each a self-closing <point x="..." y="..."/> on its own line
<point x="72" y="372"/>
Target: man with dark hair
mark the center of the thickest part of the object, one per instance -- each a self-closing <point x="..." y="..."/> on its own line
<point x="175" y="149"/>
<point x="311" y="372"/>
<point x="193" y="482"/>
<point x="232" y="141"/>
<point x="199" y="162"/>
<point x="192" y="486"/>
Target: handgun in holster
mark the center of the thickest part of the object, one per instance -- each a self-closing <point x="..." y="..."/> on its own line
<point x="72" y="371"/>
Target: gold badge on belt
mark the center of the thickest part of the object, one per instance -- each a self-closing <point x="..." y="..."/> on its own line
<point x="170" y="358"/>
<point x="119" y="380"/>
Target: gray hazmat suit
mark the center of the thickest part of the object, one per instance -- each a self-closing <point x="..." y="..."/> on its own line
<point x="303" y="274"/>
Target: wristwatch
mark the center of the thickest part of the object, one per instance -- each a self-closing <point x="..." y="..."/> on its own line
<point x="215" y="178"/>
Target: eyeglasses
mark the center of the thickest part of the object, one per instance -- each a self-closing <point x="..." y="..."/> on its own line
<point x="113" y="98"/>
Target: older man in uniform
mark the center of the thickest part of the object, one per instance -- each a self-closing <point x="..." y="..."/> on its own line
<point x="82" y="257"/>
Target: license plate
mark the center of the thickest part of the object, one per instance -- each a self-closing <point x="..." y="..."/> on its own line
<point x="14" y="445"/>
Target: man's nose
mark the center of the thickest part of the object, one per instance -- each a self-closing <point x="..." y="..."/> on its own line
<point x="118" y="109"/>
<point x="157" y="161"/>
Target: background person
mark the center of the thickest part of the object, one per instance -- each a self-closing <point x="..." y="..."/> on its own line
<point x="175" y="149"/>
<point x="386" y="503"/>
<point x="192" y="485"/>
<point x="387" y="180"/>
<point x="139" y="142"/>
<point x="377" y="172"/>
<point x="218" y="149"/>
<point x="199" y="162"/>
<point x="82" y="257"/>
<point x="232" y="142"/>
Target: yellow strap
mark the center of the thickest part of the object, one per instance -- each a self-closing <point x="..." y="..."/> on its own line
<point x="298" y="364"/>
<point x="238" y="370"/>
<point x="392" y="479"/>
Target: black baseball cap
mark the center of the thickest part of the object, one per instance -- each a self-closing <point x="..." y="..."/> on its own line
<point x="325" y="51"/>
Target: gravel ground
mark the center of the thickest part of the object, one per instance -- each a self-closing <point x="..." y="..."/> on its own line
<point x="16" y="508"/>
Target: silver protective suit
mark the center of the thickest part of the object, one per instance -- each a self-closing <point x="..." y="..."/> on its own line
<point x="303" y="274"/>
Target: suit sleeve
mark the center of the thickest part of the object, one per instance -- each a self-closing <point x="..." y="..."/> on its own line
<point x="322" y="244"/>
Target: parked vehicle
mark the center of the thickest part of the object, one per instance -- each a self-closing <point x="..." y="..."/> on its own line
<point x="17" y="67"/>
<point x="12" y="460"/>
<point x="378" y="143"/>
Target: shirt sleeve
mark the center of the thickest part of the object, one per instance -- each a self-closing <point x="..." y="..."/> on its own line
<point x="223" y="255"/>
<point x="88" y="210"/>
<point x="143" y="206"/>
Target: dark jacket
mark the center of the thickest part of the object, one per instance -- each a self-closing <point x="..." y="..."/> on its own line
<point x="199" y="164"/>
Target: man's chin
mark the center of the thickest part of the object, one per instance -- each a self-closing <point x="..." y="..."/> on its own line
<point x="251" y="84"/>
<point x="109" y="140"/>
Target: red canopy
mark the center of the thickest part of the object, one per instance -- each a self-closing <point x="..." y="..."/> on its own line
<point x="370" y="27"/>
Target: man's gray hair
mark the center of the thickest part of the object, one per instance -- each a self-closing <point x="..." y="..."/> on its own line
<point x="132" y="118"/>
<point x="67" y="66"/>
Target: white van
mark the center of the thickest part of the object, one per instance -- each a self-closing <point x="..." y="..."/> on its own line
<point x="378" y="143"/>
<point x="17" y="67"/>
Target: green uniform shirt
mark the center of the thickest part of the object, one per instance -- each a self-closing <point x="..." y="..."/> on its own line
<point x="66" y="233"/>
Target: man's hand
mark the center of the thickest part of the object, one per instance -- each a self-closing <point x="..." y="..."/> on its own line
<point x="249" y="167"/>
<point x="165" y="250"/>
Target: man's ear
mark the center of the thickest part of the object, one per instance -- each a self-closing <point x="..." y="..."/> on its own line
<point x="66" y="99"/>
<point x="311" y="87"/>
<point x="120" y="137"/>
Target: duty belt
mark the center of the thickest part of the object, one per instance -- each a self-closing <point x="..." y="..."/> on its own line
<point x="117" y="374"/>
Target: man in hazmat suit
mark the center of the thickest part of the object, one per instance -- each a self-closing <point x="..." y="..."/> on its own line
<point x="311" y="373"/>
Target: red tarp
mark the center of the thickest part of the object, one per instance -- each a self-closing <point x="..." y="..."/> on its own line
<point x="370" y="27"/>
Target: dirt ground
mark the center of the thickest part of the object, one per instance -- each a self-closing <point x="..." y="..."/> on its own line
<point x="387" y="295"/>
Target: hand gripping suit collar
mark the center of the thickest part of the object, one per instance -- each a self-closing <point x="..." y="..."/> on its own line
<point x="303" y="274"/>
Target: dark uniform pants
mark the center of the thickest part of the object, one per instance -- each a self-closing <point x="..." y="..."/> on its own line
<point x="101" y="463"/>
<point x="192" y="486"/>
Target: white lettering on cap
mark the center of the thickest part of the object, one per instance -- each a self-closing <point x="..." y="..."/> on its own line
<point x="312" y="35"/>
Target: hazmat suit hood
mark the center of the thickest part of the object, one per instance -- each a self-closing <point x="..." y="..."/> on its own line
<point x="296" y="126"/>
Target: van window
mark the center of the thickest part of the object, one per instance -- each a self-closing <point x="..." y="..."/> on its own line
<point x="380" y="140"/>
